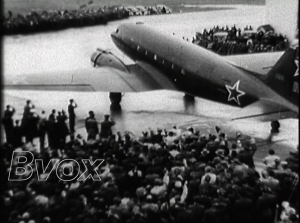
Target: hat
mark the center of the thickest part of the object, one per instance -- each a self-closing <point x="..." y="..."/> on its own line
<point x="25" y="215"/>
<point x="178" y="184"/>
<point x="141" y="191"/>
<point x="153" y="207"/>
<point x="220" y="152"/>
<point x="106" y="116"/>
<point x="236" y="161"/>
<point x="221" y="191"/>
<point x="222" y="135"/>
<point x="149" y="197"/>
<point x="252" y="140"/>
<point x="157" y="181"/>
<point x="191" y="129"/>
<point x="205" y="151"/>
<point x="201" y="166"/>
<point x="208" y="169"/>
<point x="224" y="162"/>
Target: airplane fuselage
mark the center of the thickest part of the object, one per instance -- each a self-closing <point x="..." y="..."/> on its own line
<point x="192" y="69"/>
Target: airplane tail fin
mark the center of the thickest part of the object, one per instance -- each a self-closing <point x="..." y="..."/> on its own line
<point x="284" y="76"/>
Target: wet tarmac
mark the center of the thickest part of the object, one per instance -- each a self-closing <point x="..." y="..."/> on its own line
<point x="71" y="49"/>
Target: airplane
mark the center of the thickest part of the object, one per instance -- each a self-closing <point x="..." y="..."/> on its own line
<point x="166" y="62"/>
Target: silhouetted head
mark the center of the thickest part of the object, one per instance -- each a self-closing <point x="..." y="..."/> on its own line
<point x="271" y="152"/>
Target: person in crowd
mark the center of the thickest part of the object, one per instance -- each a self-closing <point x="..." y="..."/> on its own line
<point x="17" y="135"/>
<point x="106" y="125"/>
<point x="61" y="126"/>
<point x="31" y="126"/>
<point x="91" y="126"/>
<point x="71" y="111"/>
<point x="42" y="128"/>
<point x="270" y="160"/>
<point x="275" y="125"/>
<point x="8" y="123"/>
<point x="26" y="114"/>
<point x="51" y="131"/>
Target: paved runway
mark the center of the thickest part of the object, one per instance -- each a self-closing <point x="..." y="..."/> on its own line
<point x="71" y="49"/>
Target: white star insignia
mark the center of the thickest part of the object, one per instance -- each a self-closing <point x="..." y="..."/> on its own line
<point x="297" y="64"/>
<point x="234" y="92"/>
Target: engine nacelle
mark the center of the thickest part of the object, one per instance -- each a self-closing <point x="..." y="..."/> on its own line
<point x="102" y="58"/>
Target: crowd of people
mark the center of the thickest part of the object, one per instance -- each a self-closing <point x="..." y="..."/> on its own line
<point x="163" y="176"/>
<point x="230" y="41"/>
<point x="59" y="19"/>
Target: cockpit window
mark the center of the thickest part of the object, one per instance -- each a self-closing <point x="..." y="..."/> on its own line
<point x="117" y="30"/>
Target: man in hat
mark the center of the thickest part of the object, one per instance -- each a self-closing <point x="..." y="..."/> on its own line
<point x="106" y="127"/>
<point x="26" y="115"/>
<point x="17" y="135"/>
<point x="91" y="126"/>
<point x="51" y="134"/>
<point x="72" y="116"/>
<point x="8" y="123"/>
<point x="246" y="156"/>
<point x="158" y="137"/>
<point x="42" y="127"/>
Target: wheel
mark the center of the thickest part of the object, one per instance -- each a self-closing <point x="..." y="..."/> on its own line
<point x="189" y="97"/>
<point x="115" y="98"/>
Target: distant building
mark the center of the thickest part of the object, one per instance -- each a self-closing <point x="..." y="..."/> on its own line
<point x="283" y="16"/>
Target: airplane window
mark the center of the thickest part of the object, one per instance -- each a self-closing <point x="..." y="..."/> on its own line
<point x="117" y="30"/>
<point x="138" y="47"/>
<point x="155" y="57"/>
<point x="183" y="71"/>
<point x="146" y="52"/>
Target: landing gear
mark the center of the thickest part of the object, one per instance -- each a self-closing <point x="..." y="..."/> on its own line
<point x="189" y="97"/>
<point x="115" y="99"/>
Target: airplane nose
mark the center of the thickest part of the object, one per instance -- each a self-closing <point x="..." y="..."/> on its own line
<point x="94" y="57"/>
<point x="113" y="35"/>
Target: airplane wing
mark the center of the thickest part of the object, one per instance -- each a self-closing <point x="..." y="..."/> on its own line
<point x="258" y="64"/>
<point x="102" y="79"/>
